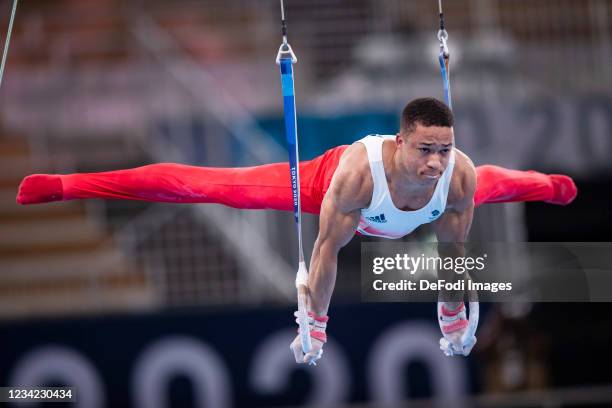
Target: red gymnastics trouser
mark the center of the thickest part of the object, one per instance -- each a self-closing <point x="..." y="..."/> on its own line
<point x="266" y="186"/>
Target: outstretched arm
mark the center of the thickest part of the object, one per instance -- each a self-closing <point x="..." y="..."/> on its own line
<point x="350" y="190"/>
<point x="453" y="227"/>
<point x="452" y="230"/>
<point x="337" y="224"/>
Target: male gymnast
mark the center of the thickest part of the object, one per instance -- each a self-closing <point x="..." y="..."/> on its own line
<point x="383" y="186"/>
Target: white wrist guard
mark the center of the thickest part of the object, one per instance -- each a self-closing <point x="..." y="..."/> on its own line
<point x="317" y="325"/>
<point x="451" y="321"/>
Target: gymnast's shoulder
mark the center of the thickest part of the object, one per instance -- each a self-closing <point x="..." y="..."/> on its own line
<point x="352" y="183"/>
<point x="463" y="183"/>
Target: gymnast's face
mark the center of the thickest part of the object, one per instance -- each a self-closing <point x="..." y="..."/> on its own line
<point x="424" y="152"/>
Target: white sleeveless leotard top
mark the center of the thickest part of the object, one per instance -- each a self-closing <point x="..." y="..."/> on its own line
<point x="382" y="218"/>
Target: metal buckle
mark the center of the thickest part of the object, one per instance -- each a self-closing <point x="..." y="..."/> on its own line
<point x="285" y="49"/>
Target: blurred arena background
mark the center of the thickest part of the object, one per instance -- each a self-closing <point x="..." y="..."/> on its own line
<point x="151" y="305"/>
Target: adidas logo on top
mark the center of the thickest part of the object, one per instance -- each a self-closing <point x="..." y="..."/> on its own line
<point x="379" y="218"/>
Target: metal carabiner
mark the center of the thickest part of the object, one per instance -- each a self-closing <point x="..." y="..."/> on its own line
<point x="285" y="49"/>
<point x="443" y="38"/>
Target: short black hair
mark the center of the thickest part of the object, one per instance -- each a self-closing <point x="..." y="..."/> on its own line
<point x="427" y="112"/>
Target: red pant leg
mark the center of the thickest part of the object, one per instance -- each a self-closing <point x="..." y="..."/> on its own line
<point x="265" y="187"/>
<point x="258" y="187"/>
<point x="500" y="185"/>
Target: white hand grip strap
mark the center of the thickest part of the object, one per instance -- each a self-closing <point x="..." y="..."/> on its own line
<point x="468" y="340"/>
<point x="301" y="283"/>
